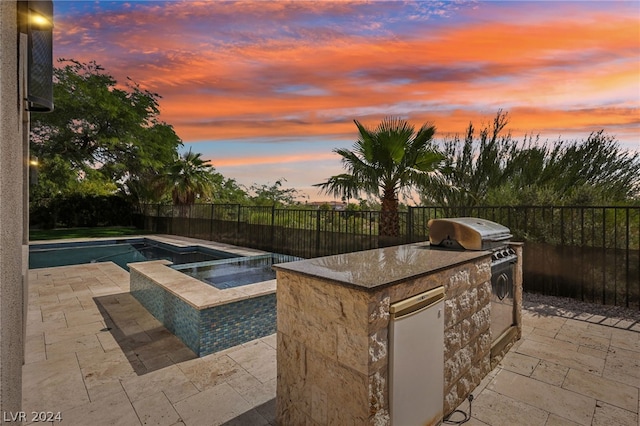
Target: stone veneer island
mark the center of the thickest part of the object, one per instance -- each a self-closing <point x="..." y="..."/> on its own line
<point x="333" y="329"/>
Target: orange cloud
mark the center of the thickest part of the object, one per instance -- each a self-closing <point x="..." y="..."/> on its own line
<point x="271" y="159"/>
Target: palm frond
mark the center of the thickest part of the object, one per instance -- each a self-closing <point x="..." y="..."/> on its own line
<point x="342" y="185"/>
<point x="391" y="156"/>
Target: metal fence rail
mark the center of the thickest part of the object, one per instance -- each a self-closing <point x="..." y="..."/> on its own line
<point x="587" y="253"/>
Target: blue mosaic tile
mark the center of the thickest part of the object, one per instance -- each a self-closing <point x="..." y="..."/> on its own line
<point x="209" y="330"/>
<point x="235" y="323"/>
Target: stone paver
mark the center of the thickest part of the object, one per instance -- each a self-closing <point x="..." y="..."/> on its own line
<point x="602" y="389"/>
<point x="545" y="396"/>
<point x="113" y="409"/>
<point x="213" y="406"/>
<point x="607" y="415"/>
<point x="94" y="354"/>
<point x="156" y="409"/>
<point x="53" y="385"/>
<point x="493" y="408"/>
<point x="568" y="357"/>
<point x="551" y="373"/>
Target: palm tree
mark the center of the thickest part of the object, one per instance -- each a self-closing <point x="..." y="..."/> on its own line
<point x="190" y="177"/>
<point x="385" y="161"/>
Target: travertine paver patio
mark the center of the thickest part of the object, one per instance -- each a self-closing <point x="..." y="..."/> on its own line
<point x="96" y="356"/>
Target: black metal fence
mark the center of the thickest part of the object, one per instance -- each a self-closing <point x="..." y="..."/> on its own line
<point x="587" y="253"/>
<point x="304" y="233"/>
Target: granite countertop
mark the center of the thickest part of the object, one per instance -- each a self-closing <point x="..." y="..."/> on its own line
<point x="380" y="267"/>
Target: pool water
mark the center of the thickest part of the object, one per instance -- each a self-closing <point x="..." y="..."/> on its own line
<point x="231" y="273"/>
<point x="120" y="252"/>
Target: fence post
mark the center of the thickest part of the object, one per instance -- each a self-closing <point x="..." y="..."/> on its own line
<point x="604" y="255"/>
<point x="627" y="256"/>
<point x="273" y="227"/>
<point x="318" y="232"/>
<point x="238" y="225"/>
<point x="211" y="222"/>
<point x="191" y="206"/>
<point x="155" y="222"/>
<point x="410" y="225"/>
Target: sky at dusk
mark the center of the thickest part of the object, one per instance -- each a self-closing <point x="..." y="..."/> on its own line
<point x="266" y="89"/>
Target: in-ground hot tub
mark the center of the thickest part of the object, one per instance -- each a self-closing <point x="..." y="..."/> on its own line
<point x="232" y="301"/>
<point x="235" y="272"/>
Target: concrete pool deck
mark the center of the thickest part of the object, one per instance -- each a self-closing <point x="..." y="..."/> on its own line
<point x="95" y="355"/>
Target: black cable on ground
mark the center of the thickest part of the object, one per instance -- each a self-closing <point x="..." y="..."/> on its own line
<point x="466" y="417"/>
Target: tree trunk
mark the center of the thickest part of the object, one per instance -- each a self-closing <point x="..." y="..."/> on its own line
<point x="389" y="218"/>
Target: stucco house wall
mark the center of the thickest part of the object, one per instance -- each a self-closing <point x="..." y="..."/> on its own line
<point x="12" y="213"/>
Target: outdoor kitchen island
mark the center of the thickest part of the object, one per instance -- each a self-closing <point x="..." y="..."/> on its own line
<point x="334" y="329"/>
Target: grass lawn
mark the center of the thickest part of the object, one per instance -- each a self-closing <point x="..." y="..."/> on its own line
<point x="54" y="234"/>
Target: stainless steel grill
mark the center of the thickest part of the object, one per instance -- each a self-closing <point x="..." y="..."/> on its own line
<point x="470" y="233"/>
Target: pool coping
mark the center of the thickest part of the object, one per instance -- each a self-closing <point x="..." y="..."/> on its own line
<point x="196" y="293"/>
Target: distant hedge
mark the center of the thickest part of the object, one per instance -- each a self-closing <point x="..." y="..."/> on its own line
<point x="81" y="211"/>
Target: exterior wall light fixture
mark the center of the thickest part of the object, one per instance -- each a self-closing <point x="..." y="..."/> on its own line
<point x="38" y="25"/>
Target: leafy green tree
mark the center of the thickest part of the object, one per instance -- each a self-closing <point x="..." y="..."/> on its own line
<point x="493" y="168"/>
<point x="471" y="166"/>
<point x="273" y="195"/>
<point x="228" y="191"/>
<point x="190" y="178"/>
<point x="591" y="171"/>
<point x="99" y="131"/>
<point x="153" y="186"/>
<point x="384" y="161"/>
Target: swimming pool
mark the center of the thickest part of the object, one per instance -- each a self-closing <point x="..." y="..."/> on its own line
<point x="237" y="272"/>
<point x="120" y="252"/>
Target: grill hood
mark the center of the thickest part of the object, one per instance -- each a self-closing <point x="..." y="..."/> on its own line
<point x="470" y="233"/>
